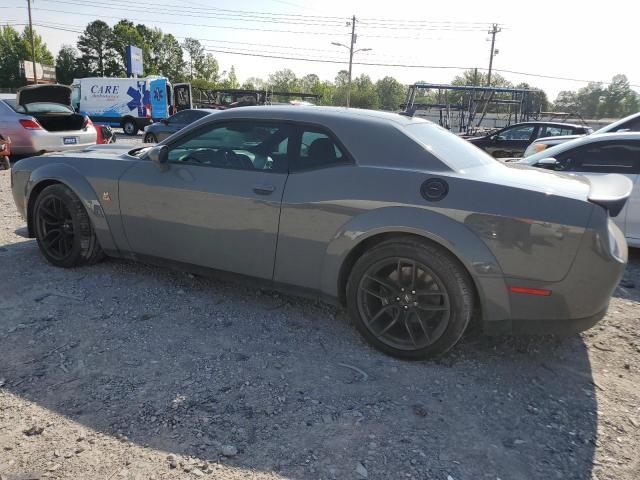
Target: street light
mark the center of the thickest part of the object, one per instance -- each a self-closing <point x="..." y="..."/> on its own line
<point x="351" y="52"/>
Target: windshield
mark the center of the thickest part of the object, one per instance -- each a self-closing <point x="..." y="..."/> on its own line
<point x="552" y="151"/>
<point x="448" y="147"/>
<point x="39" y="107"/>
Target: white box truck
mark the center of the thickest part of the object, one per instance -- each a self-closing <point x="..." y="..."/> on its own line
<point x="130" y="103"/>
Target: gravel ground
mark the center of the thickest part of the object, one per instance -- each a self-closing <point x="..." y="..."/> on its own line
<point x="125" y="371"/>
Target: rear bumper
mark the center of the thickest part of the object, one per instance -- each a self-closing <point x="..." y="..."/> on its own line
<point x="36" y="141"/>
<point x="581" y="298"/>
<point x="556" y="327"/>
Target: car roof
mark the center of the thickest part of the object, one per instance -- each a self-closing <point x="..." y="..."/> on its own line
<point x="553" y="124"/>
<point x="317" y="114"/>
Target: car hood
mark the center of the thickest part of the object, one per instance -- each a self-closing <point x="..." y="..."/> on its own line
<point x="44" y="93"/>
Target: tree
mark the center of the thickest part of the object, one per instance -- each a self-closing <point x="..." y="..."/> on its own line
<point x="196" y="54"/>
<point x="98" y="57"/>
<point x="125" y="33"/>
<point x="341" y="83"/>
<point x="166" y="57"/>
<point x="254" y="83"/>
<point x="9" y="57"/>
<point x="208" y="69"/>
<point x="232" y="79"/>
<point x="566" y="101"/>
<point x="284" y="81"/>
<point x="391" y="93"/>
<point x="615" y="97"/>
<point x="66" y="64"/>
<point x="308" y="82"/>
<point x="363" y="93"/>
<point x="43" y="55"/>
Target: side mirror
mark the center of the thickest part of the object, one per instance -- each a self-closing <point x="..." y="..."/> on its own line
<point x="164" y="121"/>
<point x="548" y="163"/>
<point x="160" y="155"/>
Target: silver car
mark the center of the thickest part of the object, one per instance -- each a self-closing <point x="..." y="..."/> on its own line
<point x="598" y="155"/>
<point x="411" y="228"/>
<point x="40" y="119"/>
<point x="626" y="124"/>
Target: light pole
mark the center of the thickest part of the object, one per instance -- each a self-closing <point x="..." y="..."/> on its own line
<point x="33" y="45"/>
<point x="351" y="53"/>
<point x="494" y="30"/>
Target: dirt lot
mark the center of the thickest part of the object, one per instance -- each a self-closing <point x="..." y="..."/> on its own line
<point x="124" y="371"/>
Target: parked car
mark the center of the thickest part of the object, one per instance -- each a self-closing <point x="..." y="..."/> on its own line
<point x="5" y="151"/>
<point x="40" y="119"/>
<point x="627" y="124"/>
<point x="164" y="128"/>
<point x="595" y="156"/>
<point x="410" y="227"/>
<point x="513" y="140"/>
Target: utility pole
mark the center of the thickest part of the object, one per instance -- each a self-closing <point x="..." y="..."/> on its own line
<point x="33" y="44"/>
<point x="494" y="29"/>
<point x="353" y="41"/>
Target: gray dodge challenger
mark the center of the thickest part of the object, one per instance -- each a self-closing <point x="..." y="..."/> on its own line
<point x="412" y="229"/>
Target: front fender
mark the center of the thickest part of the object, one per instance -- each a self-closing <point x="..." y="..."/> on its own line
<point x="444" y="227"/>
<point x="69" y="176"/>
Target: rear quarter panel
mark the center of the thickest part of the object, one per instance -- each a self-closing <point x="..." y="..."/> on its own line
<point x="495" y="231"/>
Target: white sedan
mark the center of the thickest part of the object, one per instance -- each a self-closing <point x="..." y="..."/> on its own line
<point x="598" y="155"/>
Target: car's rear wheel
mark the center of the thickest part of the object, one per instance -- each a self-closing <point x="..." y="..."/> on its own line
<point x="5" y="164"/>
<point x="129" y="126"/>
<point x="63" y="229"/>
<point x="410" y="299"/>
<point x="150" y="138"/>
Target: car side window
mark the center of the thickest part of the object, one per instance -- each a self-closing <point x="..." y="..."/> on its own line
<point x="551" y="131"/>
<point x="318" y="149"/>
<point x="605" y="157"/>
<point x="180" y="117"/>
<point x="522" y="132"/>
<point x="235" y="145"/>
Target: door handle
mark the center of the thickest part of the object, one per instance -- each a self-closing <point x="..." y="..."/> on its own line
<point x="264" y="189"/>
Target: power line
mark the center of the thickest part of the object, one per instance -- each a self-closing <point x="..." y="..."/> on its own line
<point x="195" y="24"/>
<point x="230" y="51"/>
<point x="217" y="16"/>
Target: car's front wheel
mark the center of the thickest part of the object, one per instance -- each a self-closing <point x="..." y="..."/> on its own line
<point x="410" y="299"/>
<point x="63" y="229"/>
<point x="150" y="138"/>
<point x="129" y="126"/>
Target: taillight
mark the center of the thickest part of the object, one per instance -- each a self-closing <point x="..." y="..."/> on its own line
<point x="531" y="291"/>
<point x="30" y="124"/>
<point x="148" y="110"/>
<point x="87" y="123"/>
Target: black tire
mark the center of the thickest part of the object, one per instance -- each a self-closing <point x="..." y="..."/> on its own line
<point x="442" y="307"/>
<point x="63" y="229"/>
<point x="130" y="127"/>
<point x="5" y="164"/>
<point x="150" y="138"/>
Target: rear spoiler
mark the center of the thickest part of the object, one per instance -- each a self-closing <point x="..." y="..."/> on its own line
<point x="610" y="191"/>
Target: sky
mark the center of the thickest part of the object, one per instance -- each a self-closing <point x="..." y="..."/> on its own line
<point x="572" y="40"/>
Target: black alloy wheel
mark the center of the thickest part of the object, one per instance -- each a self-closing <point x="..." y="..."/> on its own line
<point x="63" y="229"/>
<point x="410" y="298"/>
<point x="403" y="303"/>
<point x="55" y="228"/>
